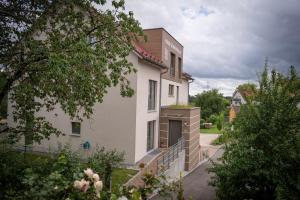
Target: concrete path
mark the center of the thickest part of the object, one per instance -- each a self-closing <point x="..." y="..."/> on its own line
<point x="196" y="183"/>
<point x="206" y="139"/>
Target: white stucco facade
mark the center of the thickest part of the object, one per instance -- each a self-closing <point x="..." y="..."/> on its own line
<point x="144" y="74"/>
<point x="183" y="93"/>
<point x="120" y="123"/>
<point x="117" y="123"/>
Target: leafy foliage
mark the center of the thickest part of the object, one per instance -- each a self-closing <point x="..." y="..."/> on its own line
<point x="262" y="159"/>
<point x="66" y="53"/>
<point x="104" y="162"/>
<point x="248" y="90"/>
<point x="211" y="103"/>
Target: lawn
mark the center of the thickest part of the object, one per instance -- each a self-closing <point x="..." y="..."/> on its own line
<point x="120" y="176"/>
<point x="213" y="129"/>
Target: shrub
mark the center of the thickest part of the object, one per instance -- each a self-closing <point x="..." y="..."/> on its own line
<point x="262" y="159"/>
<point x="103" y="162"/>
<point x="213" y="119"/>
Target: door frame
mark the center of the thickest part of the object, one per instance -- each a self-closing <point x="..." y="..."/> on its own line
<point x="169" y="133"/>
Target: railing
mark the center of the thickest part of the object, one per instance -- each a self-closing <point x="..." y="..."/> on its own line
<point x="171" y="154"/>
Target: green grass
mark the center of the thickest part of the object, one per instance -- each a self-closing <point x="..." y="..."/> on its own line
<point x="213" y="129"/>
<point x="120" y="176"/>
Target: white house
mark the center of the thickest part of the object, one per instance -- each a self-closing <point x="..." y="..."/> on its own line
<point x="238" y="99"/>
<point x="130" y="125"/>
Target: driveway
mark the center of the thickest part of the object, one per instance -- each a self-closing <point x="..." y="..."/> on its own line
<point x="196" y="183"/>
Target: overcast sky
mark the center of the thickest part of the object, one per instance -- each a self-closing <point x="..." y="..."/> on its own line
<point x="226" y="41"/>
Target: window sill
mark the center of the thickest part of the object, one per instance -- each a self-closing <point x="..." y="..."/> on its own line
<point x="171" y="95"/>
<point x="151" y="111"/>
<point x="75" y="135"/>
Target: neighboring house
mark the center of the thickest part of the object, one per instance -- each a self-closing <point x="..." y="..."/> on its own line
<point x="238" y="99"/>
<point x="133" y="125"/>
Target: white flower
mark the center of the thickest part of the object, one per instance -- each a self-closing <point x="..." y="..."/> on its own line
<point x="89" y="172"/>
<point x="96" y="177"/>
<point x="55" y="188"/>
<point x="98" y="185"/>
<point x="78" y="184"/>
<point x="85" y="185"/>
<point x="98" y="194"/>
<point x="122" y="198"/>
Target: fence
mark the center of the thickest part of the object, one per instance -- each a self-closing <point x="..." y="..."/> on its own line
<point x="171" y="154"/>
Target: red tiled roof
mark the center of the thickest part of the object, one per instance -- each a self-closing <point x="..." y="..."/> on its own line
<point x="146" y="55"/>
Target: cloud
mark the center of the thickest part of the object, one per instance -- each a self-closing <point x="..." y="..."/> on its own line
<point x="227" y="41"/>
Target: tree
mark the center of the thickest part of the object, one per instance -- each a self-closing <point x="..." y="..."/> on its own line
<point x="211" y="102"/>
<point x="220" y="121"/>
<point x="63" y="52"/>
<point x="262" y="158"/>
<point x="248" y="90"/>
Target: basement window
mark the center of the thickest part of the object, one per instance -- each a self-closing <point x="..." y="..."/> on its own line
<point x="76" y="128"/>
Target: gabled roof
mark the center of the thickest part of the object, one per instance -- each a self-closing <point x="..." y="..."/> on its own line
<point x="148" y="56"/>
<point x="237" y="91"/>
<point x="245" y="93"/>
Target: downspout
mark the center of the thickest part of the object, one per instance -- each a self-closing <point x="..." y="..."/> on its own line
<point x="189" y="90"/>
<point x="159" y="110"/>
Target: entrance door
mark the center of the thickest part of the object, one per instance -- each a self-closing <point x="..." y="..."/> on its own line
<point x="175" y="128"/>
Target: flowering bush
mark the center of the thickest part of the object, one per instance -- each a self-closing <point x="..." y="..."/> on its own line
<point x="91" y="184"/>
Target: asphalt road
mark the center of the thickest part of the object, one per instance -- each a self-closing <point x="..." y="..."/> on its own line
<point x="196" y="183"/>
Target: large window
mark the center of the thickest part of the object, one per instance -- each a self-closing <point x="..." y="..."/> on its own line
<point x="152" y="95"/>
<point x="172" y="65"/>
<point x="179" y="67"/>
<point x="76" y="128"/>
<point x="150" y="135"/>
<point x="171" y="90"/>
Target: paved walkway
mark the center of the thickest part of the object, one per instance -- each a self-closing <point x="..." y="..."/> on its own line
<point x="196" y="183"/>
<point x="206" y="139"/>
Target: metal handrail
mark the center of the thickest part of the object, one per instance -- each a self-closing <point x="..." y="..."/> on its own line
<point x="171" y="154"/>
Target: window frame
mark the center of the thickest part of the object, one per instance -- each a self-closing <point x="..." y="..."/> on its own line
<point x="171" y="90"/>
<point x="172" y="72"/>
<point x="179" y="67"/>
<point x="152" y="95"/>
<point x="75" y="133"/>
<point x="151" y="125"/>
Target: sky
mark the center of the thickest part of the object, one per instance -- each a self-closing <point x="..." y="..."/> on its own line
<point x="226" y="42"/>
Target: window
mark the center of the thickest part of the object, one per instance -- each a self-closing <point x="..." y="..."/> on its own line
<point x="150" y="135"/>
<point x="172" y="66"/>
<point x="177" y="95"/>
<point x="179" y="67"/>
<point x="76" y="128"/>
<point x="171" y="90"/>
<point x="152" y="95"/>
